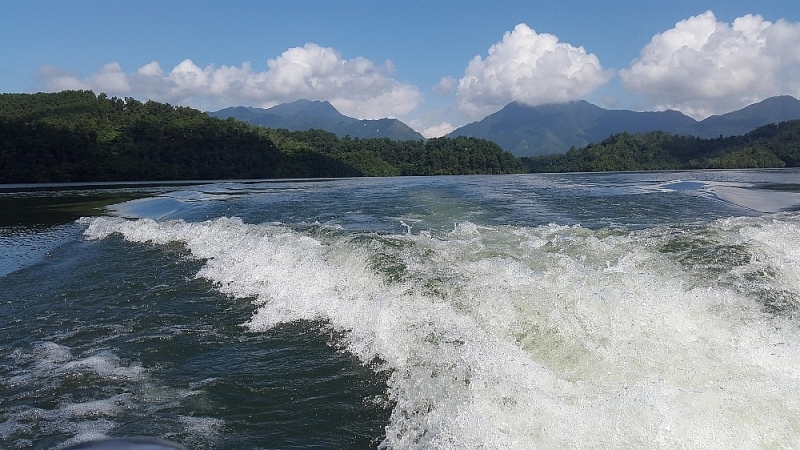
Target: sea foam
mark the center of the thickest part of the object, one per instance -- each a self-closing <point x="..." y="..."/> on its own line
<point x="544" y="337"/>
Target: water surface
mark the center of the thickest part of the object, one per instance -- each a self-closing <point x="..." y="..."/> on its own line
<point x="626" y="310"/>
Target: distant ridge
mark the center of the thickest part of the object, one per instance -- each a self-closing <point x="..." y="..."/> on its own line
<point x="554" y="128"/>
<point x="772" y="110"/>
<point x="303" y="115"/>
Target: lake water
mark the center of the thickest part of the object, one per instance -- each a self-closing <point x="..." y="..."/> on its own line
<point x="622" y="310"/>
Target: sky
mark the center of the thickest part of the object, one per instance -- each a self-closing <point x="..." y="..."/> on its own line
<point x="435" y="65"/>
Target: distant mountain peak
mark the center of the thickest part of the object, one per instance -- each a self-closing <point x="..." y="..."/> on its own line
<point x="302" y="106"/>
<point x="301" y="115"/>
<point x="770" y="110"/>
<point x="553" y="128"/>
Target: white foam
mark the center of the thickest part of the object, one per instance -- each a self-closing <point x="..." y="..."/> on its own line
<point x="54" y="360"/>
<point x="46" y="366"/>
<point x="105" y="365"/>
<point x="51" y="353"/>
<point x="544" y="337"/>
<point x="201" y="432"/>
<point x="779" y="237"/>
<point x="108" y="407"/>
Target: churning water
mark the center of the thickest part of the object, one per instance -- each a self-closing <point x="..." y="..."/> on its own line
<point x="642" y="310"/>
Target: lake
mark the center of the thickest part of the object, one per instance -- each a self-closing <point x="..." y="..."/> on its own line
<point x="615" y="310"/>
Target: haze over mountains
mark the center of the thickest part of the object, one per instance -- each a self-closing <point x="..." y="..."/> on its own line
<point x="528" y="130"/>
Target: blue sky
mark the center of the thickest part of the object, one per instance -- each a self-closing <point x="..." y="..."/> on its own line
<point x="436" y="65"/>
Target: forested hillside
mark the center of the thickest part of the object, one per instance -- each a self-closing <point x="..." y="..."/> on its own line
<point x="770" y="146"/>
<point x="76" y="136"/>
<point x="385" y="157"/>
<point x="302" y="115"/>
<point x="552" y="129"/>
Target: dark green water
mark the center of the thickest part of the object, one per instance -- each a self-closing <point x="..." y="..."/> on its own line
<point x="127" y="334"/>
<point x="642" y="310"/>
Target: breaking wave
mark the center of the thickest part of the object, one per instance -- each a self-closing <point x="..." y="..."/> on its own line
<point x="551" y="336"/>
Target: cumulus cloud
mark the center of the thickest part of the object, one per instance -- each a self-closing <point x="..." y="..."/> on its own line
<point x="703" y="67"/>
<point x="356" y="87"/>
<point x="528" y="67"/>
<point x="431" y="131"/>
<point x="110" y="78"/>
<point x="58" y="79"/>
<point x="445" y="86"/>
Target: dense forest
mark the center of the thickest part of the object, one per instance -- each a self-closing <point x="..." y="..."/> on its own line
<point x="74" y="136"/>
<point x="77" y="136"/>
<point x="770" y="146"/>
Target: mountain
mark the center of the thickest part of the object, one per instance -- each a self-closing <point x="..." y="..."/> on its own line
<point x="303" y="115"/>
<point x="772" y="110"/>
<point x="553" y="128"/>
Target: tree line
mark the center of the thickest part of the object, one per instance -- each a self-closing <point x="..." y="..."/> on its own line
<point x="770" y="146"/>
<point x="76" y="136"/>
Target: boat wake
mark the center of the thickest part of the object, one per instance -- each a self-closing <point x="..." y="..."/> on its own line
<point x="550" y="336"/>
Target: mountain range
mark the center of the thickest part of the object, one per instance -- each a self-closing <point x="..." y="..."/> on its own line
<point x="303" y="115"/>
<point x="554" y="128"/>
<point x="527" y="130"/>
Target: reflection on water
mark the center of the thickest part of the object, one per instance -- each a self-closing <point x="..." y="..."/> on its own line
<point x="52" y="208"/>
<point x="35" y="220"/>
<point x="761" y="200"/>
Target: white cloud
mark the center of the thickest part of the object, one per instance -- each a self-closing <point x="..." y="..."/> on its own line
<point x="58" y="79"/>
<point x="445" y="86"/>
<point x="703" y="67"/>
<point x="152" y="69"/>
<point x="356" y="87"/>
<point x="531" y="68"/>
<point x="110" y="78"/>
<point x="431" y="131"/>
